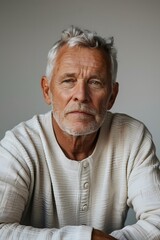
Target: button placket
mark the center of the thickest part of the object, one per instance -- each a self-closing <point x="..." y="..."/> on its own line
<point x="84" y="187"/>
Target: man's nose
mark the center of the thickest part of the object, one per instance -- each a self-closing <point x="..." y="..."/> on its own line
<point x="81" y="93"/>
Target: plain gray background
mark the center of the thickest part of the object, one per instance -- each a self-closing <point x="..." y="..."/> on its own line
<point x="28" y="29"/>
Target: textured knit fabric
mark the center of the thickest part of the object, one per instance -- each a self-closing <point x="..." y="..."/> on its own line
<point x="45" y="195"/>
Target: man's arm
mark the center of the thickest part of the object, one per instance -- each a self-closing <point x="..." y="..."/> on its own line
<point x="16" y="231"/>
<point x="143" y="190"/>
<point x="67" y="233"/>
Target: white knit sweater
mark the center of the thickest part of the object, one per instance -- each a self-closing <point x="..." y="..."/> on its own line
<point x="45" y="195"/>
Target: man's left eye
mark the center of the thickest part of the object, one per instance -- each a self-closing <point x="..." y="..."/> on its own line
<point x="95" y="83"/>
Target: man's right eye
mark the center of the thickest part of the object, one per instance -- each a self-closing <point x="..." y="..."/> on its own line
<point x="69" y="82"/>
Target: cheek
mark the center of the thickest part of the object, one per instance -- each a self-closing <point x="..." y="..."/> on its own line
<point x="100" y="101"/>
<point x="59" y="101"/>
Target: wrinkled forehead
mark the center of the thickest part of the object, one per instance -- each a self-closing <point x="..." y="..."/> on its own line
<point x="82" y="57"/>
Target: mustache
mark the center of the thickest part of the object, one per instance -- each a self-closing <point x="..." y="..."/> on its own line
<point x="80" y="108"/>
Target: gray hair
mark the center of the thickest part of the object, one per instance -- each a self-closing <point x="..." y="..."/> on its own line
<point x="75" y="36"/>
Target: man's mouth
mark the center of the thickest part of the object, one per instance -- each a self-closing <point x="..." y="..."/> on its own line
<point x="80" y="113"/>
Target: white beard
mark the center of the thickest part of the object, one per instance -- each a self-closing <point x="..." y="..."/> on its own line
<point x="85" y="126"/>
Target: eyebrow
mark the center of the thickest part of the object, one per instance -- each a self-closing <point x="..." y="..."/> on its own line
<point x="68" y="75"/>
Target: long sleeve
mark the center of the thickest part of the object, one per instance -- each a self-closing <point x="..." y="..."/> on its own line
<point x="143" y="190"/>
<point x="17" y="188"/>
<point x="16" y="231"/>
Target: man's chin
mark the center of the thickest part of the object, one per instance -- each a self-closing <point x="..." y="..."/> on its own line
<point x="79" y="128"/>
<point x="80" y="132"/>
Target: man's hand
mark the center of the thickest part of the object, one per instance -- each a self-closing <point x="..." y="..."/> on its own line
<point x="99" y="235"/>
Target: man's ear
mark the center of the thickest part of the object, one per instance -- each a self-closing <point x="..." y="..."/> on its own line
<point x="46" y="90"/>
<point x="115" y="89"/>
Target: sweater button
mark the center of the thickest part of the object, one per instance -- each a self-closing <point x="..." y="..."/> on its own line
<point x="85" y="164"/>
<point x="86" y="185"/>
<point x="85" y="207"/>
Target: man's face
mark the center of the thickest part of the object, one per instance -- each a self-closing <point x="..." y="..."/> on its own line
<point x="80" y="90"/>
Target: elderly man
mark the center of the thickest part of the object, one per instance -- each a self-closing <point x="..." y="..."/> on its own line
<point x="73" y="173"/>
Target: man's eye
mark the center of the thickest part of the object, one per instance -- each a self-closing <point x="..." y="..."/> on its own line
<point x="68" y="82"/>
<point x="95" y="83"/>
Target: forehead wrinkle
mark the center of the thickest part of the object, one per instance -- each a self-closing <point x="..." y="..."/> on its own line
<point x="89" y="72"/>
<point x="82" y="71"/>
<point x="85" y="66"/>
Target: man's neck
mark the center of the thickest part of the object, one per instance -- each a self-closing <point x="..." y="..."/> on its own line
<point x="75" y="147"/>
